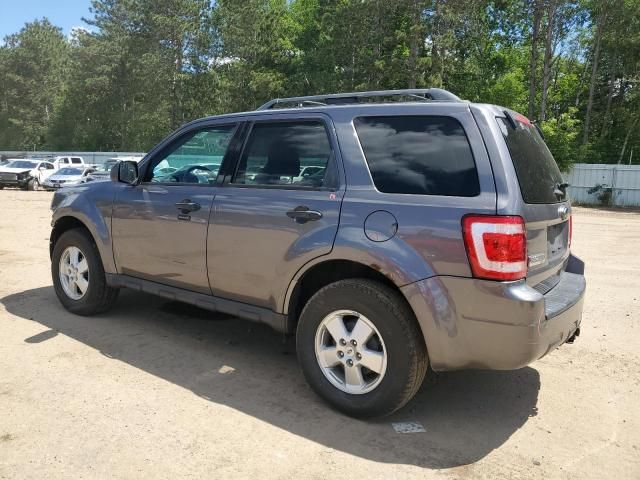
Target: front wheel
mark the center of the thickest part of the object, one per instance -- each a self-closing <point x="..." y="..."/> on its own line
<point x="33" y="184"/>
<point x="78" y="275"/>
<point x="360" y="348"/>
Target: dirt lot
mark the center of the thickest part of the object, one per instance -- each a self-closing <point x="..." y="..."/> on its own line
<point x="156" y="389"/>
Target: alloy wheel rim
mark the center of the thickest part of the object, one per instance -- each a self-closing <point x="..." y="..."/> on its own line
<point x="350" y="352"/>
<point x="73" y="271"/>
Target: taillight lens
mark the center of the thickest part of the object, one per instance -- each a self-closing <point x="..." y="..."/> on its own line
<point x="496" y="246"/>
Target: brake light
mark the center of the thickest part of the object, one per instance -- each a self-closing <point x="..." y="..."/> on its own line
<point x="496" y="246"/>
<point x="522" y="119"/>
<point x="570" y="228"/>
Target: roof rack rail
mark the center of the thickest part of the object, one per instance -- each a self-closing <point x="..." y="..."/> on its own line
<point x="417" y="94"/>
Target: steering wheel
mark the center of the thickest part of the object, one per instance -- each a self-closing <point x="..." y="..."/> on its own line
<point x="187" y="175"/>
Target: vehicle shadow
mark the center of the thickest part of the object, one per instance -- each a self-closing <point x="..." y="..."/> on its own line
<point x="248" y="367"/>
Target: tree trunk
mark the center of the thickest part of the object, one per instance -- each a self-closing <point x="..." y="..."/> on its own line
<point x="548" y="57"/>
<point x="414" y="43"/>
<point x="626" y="140"/>
<point x="607" y="112"/>
<point x="594" y="76"/>
<point x="533" y="63"/>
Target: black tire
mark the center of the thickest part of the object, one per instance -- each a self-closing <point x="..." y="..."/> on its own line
<point x="407" y="359"/>
<point x="99" y="297"/>
<point x="33" y="184"/>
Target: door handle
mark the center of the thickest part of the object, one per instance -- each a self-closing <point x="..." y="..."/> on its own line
<point x="302" y="214"/>
<point x="186" y="206"/>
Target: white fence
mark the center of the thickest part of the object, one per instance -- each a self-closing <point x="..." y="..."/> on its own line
<point x="623" y="179"/>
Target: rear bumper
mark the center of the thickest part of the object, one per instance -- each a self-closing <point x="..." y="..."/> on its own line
<point x="471" y="323"/>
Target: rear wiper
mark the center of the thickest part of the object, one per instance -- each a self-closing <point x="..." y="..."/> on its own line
<point x="560" y="189"/>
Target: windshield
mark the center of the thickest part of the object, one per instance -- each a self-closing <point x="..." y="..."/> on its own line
<point x="22" y="164"/>
<point x="538" y="173"/>
<point x="69" y="171"/>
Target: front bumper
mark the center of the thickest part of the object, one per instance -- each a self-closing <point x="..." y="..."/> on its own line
<point x="472" y="323"/>
<point x="21" y="183"/>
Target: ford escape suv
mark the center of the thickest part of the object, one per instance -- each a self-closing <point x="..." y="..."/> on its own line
<point x="429" y="232"/>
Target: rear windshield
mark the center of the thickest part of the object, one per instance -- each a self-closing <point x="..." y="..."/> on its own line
<point x="538" y="173"/>
<point x="424" y="155"/>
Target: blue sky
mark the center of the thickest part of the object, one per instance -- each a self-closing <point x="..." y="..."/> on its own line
<point x="62" y="13"/>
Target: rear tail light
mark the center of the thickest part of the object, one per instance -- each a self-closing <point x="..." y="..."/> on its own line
<point x="496" y="246"/>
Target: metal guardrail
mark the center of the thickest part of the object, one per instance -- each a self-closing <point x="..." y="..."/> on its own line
<point x="92" y="158"/>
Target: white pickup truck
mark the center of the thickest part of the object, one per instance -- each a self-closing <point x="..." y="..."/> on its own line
<point x="67" y="161"/>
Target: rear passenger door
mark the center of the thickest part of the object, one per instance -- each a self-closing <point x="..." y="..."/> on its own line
<point x="269" y="220"/>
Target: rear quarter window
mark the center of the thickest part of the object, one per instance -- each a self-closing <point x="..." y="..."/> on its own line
<point x="423" y="155"/>
<point x="538" y="174"/>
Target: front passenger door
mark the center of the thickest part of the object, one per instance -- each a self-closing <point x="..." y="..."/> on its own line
<point x="160" y="225"/>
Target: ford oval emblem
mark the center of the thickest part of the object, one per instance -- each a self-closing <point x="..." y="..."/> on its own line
<point x="563" y="211"/>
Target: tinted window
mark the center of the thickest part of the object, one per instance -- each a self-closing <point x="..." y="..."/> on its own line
<point x="194" y="158"/>
<point x="537" y="171"/>
<point x="76" y="160"/>
<point x="291" y="153"/>
<point x="423" y="155"/>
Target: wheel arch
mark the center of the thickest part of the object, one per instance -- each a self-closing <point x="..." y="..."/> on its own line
<point x="323" y="273"/>
<point x="64" y="224"/>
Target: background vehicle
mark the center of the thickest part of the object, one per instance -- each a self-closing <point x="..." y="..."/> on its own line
<point x="102" y="172"/>
<point x="26" y="174"/>
<point x="66" y="176"/>
<point x="438" y="234"/>
<point x="65" y="161"/>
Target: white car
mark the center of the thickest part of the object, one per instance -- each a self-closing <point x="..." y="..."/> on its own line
<point x="307" y="172"/>
<point x="25" y="174"/>
<point x="67" y="176"/>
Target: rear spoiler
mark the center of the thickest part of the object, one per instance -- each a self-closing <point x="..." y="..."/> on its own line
<point x="514" y="118"/>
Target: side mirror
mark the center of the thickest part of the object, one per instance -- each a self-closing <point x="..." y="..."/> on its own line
<point x="125" y="172"/>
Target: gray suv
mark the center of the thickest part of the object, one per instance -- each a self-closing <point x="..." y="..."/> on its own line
<point x="390" y="231"/>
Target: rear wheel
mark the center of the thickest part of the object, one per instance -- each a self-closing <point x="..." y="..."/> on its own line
<point x="360" y="347"/>
<point x="78" y="275"/>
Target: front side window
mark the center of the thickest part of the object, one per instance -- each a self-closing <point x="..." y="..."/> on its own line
<point x="423" y="155"/>
<point x="286" y="154"/>
<point x="194" y="158"/>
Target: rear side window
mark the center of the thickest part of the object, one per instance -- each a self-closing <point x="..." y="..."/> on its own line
<point x="296" y="154"/>
<point x="424" y="155"/>
<point x="537" y="171"/>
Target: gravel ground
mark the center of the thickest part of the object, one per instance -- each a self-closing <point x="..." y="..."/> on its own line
<point x="156" y="389"/>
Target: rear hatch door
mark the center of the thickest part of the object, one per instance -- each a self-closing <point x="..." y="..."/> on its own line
<point x="545" y="205"/>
